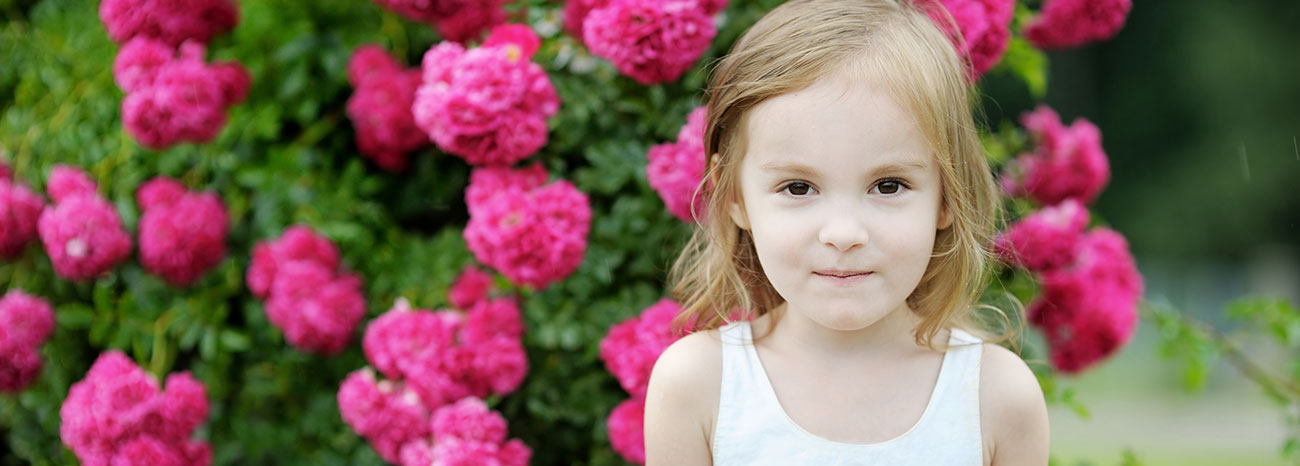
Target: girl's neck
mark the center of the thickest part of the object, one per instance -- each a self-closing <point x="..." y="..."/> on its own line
<point x="892" y="335"/>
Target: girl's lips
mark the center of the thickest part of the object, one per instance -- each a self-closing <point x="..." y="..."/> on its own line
<point x="844" y="279"/>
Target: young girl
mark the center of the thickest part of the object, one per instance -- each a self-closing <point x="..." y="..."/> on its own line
<point x="850" y="208"/>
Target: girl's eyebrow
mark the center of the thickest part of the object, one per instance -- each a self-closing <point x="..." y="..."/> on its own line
<point x="806" y="171"/>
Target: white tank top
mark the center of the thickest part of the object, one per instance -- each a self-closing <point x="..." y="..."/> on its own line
<point x="753" y="428"/>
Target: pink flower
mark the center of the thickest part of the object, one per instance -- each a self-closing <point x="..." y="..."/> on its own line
<point x="380" y="108"/>
<point x="1065" y="24"/>
<point x="169" y="21"/>
<point x="397" y="341"/>
<point x="369" y="61"/>
<point x="651" y="42"/>
<point x="118" y="415"/>
<point x="468" y="433"/>
<point x="1089" y="310"/>
<point x="471" y="287"/>
<point x="488" y="181"/>
<point x="177" y="100"/>
<point x="19" y="210"/>
<point x="298" y="243"/>
<point x="521" y="37"/>
<point x="535" y="237"/>
<point x="468" y="21"/>
<point x="67" y="182"/>
<point x="25" y="320"/>
<point x="316" y="308"/>
<point x="1069" y="162"/>
<point x="626" y="425"/>
<point x="443" y="360"/>
<point x="1045" y="240"/>
<point x="469" y="419"/>
<point x="489" y="319"/>
<point x="455" y="20"/>
<point x="982" y="29"/>
<point x="631" y="348"/>
<point x="575" y="14"/>
<point x="182" y="234"/>
<point x="387" y="414"/>
<point x="499" y="365"/>
<point x="488" y="105"/>
<point x="138" y="62"/>
<point x="675" y="170"/>
<point x="82" y="233"/>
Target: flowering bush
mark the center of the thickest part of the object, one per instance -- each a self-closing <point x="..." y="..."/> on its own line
<point x="25" y="322"/>
<point x="118" y="415"/>
<point x="182" y="234"/>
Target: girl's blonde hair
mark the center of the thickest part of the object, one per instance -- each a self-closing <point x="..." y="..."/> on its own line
<point x="787" y="50"/>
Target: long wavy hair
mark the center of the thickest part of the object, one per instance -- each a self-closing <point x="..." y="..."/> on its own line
<point x="799" y="42"/>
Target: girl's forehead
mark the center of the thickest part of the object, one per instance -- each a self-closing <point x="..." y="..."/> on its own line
<point x="839" y="122"/>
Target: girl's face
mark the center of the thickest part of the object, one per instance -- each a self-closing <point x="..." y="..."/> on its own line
<point x="842" y="195"/>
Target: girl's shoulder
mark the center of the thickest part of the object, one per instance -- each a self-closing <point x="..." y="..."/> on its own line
<point x="682" y="400"/>
<point x="1012" y="409"/>
<point x="691" y="368"/>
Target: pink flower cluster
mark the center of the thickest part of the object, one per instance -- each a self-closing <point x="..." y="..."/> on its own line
<point x="1070" y="23"/>
<point x="982" y="29"/>
<point x="307" y="297"/>
<point x="432" y="359"/>
<point x="118" y="416"/>
<point x="21" y="208"/>
<point x="534" y="234"/>
<point x="1069" y="161"/>
<point x="173" y="99"/>
<point x="651" y="42"/>
<point x="1088" y="310"/>
<point x="169" y="21"/>
<point x="380" y="108"/>
<point x="1046" y="240"/>
<point x="1090" y="283"/>
<point x="630" y="351"/>
<point x="676" y="169"/>
<point x="488" y="104"/>
<point x="25" y="322"/>
<point x="82" y="233"/>
<point x="455" y="20"/>
<point x="182" y="233"/>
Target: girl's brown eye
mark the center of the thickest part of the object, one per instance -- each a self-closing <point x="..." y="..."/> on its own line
<point x="797" y="189"/>
<point x="889" y="187"/>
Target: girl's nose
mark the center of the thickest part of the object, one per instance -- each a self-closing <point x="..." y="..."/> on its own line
<point x="843" y="232"/>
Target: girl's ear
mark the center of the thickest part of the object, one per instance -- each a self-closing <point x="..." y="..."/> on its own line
<point x="945" y="217"/>
<point x="738" y="216"/>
